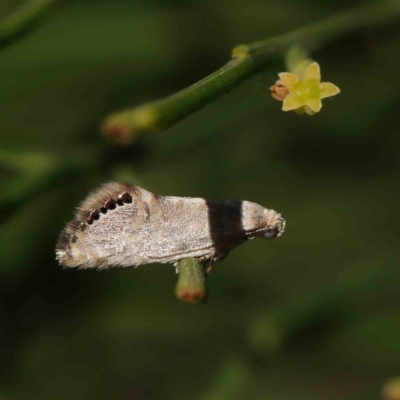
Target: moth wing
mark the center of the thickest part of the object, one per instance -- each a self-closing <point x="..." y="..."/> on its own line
<point x="108" y="229"/>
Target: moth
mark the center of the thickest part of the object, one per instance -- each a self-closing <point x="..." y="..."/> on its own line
<point x="124" y="225"/>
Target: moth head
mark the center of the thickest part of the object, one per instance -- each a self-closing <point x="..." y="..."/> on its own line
<point x="275" y="225"/>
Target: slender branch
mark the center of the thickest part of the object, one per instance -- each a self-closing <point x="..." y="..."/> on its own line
<point x="297" y="60"/>
<point x="22" y="17"/>
<point x="391" y="389"/>
<point x="191" y="285"/>
<point x="36" y="171"/>
<point x="246" y="60"/>
<point x="274" y="327"/>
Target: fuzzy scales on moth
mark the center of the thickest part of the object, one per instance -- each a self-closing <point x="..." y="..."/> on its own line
<point x="125" y="225"/>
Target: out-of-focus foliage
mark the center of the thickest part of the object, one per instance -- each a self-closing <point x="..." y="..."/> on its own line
<point x="313" y="315"/>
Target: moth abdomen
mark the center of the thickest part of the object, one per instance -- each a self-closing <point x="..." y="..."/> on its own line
<point x="125" y="225"/>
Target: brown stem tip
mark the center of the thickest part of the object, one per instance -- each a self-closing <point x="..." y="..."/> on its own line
<point x="117" y="132"/>
<point x="191" y="285"/>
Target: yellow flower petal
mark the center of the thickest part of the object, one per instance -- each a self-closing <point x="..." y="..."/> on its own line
<point x="314" y="104"/>
<point x="292" y="102"/>
<point x="328" y="89"/>
<point x="289" y="79"/>
<point x="312" y="72"/>
<point x="305" y="90"/>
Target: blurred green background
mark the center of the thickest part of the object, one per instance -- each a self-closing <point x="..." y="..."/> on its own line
<point x="313" y="315"/>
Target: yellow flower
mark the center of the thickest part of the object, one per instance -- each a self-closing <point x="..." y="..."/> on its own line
<point x="306" y="91"/>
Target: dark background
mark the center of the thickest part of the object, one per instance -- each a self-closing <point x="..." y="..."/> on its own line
<point x="313" y="315"/>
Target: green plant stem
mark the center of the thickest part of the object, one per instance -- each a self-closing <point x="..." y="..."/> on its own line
<point x="22" y="17"/>
<point x="35" y="171"/>
<point x="159" y="115"/>
<point x="297" y="60"/>
<point x="234" y="380"/>
<point x="191" y="285"/>
<point x="273" y="328"/>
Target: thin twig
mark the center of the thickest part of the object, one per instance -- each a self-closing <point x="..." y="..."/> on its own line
<point x="274" y="327"/>
<point x="22" y="17"/>
<point x="159" y="115"/>
<point x="191" y="285"/>
<point x="36" y="171"/>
